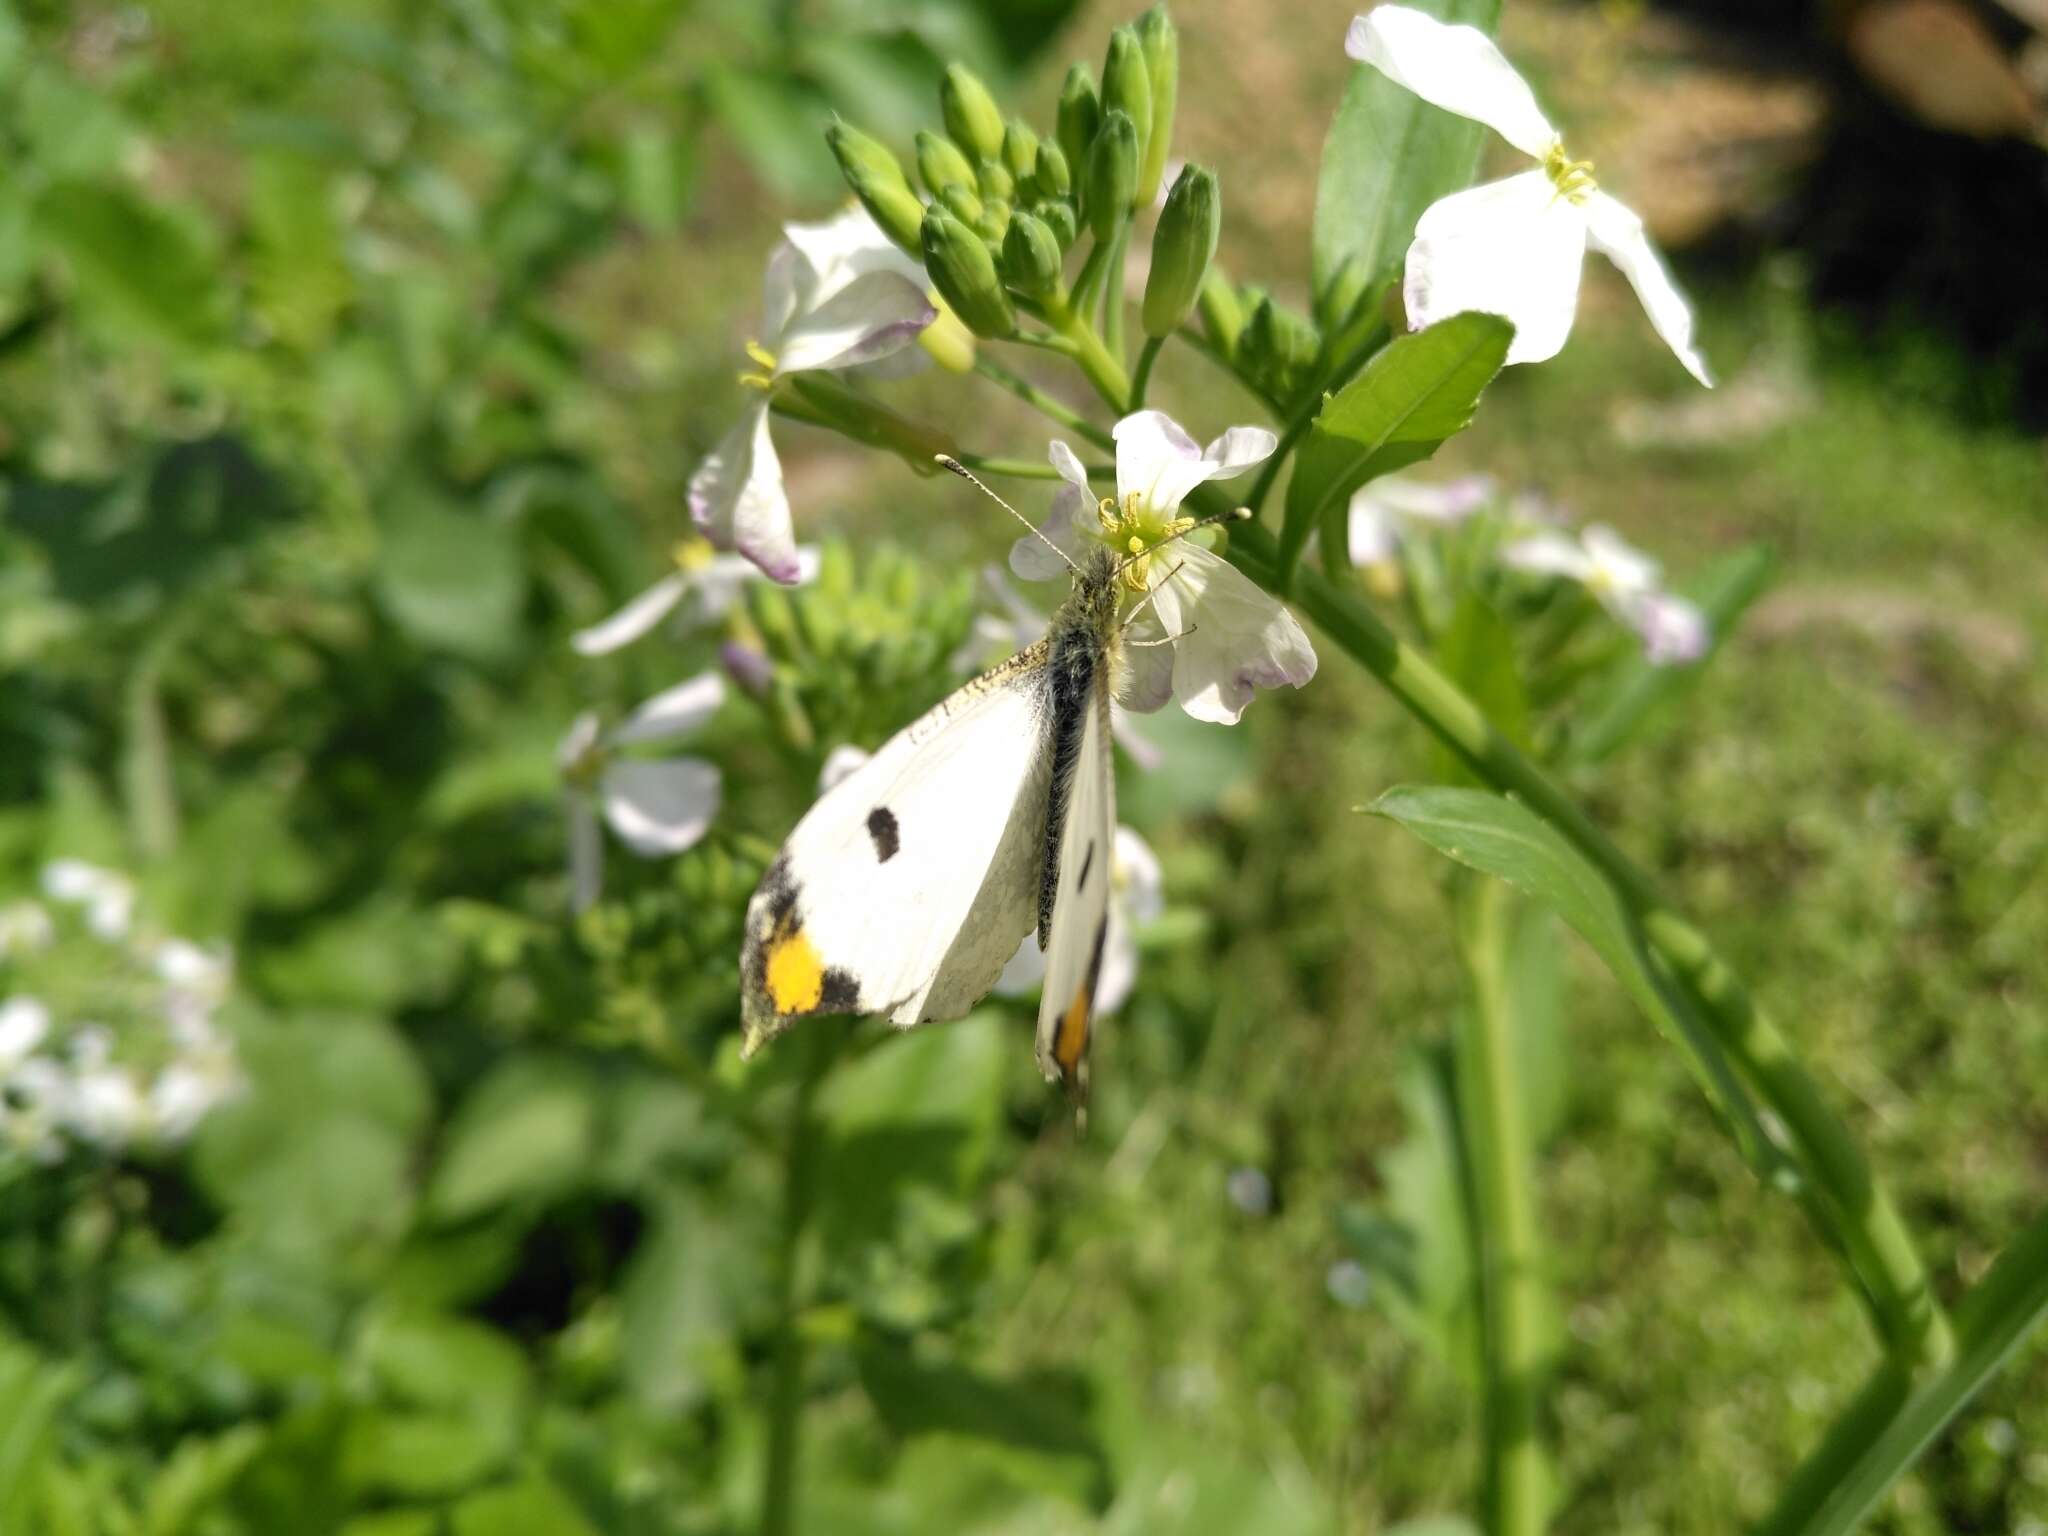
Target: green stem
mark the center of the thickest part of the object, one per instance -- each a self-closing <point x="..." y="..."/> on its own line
<point x="1853" y="1208"/>
<point x="1147" y="356"/>
<point x="1215" y="354"/>
<point x="1042" y="402"/>
<point x="819" y="1044"/>
<point x="1497" y="1147"/>
<point x="1027" y="469"/>
<point x="1113" y="294"/>
<point x="1296" y="430"/>
<point x="1089" y="355"/>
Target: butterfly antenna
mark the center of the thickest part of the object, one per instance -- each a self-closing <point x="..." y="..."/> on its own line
<point x="1234" y="515"/>
<point x="968" y="475"/>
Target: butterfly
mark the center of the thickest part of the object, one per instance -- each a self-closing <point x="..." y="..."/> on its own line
<point x="908" y="886"/>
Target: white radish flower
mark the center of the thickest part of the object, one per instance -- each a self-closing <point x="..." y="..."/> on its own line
<point x="1137" y="895"/>
<point x="1515" y="247"/>
<point x="24" y="1023"/>
<point x="108" y="898"/>
<point x="656" y="807"/>
<point x="1384" y="511"/>
<point x="1624" y="581"/>
<point x="702" y="588"/>
<point x="837" y="294"/>
<point x="24" y="928"/>
<point x="1224" y="637"/>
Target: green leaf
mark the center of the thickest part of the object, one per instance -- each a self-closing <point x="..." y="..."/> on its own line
<point x="1477" y="651"/>
<point x="525" y="1133"/>
<point x="1503" y="838"/>
<point x="31" y="1392"/>
<point x="776" y="122"/>
<point x="1388" y="156"/>
<point x="1418" y="390"/>
<point x="689" y="1278"/>
<point x="452" y="580"/>
<point x="1042" y="1419"/>
<point x="1890" y="1425"/>
<point x="1634" y="694"/>
<point x="532" y="1506"/>
<point x="139" y="271"/>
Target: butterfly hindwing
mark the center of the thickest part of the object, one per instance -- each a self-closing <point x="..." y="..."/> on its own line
<point x="909" y="884"/>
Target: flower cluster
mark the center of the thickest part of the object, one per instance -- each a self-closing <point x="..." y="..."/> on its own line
<point x="107" y="1032"/>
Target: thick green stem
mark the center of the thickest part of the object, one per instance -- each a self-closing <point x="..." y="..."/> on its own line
<point x="1113" y="295"/>
<point x="1498" y="1148"/>
<point x="1042" y="402"/>
<point x="1147" y="356"/>
<point x="1857" y="1214"/>
<point x="1027" y="469"/>
<point x="819" y="1044"/>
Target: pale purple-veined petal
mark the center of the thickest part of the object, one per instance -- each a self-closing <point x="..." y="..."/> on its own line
<point x="715" y="586"/>
<point x="846" y="246"/>
<point x="635" y="619"/>
<point x="1145" y="679"/>
<point x="1549" y="554"/>
<point x="1373" y="532"/>
<point x="1617" y="233"/>
<point x="1024" y="971"/>
<point x="1431" y="501"/>
<point x="1457" y="68"/>
<point x="1673" y="630"/>
<point x="783" y="281"/>
<point x="1069" y="465"/>
<point x="1031" y="559"/>
<point x="661" y="807"/>
<point x="840" y="763"/>
<point x="1119" y="971"/>
<point x="1230" y="638"/>
<point x="672" y="712"/>
<point x="1157" y="461"/>
<point x="1617" y="565"/>
<point x="737" y="500"/>
<point x="1140" y="885"/>
<point x="24" y="1021"/>
<point x="1138" y="747"/>
<point x="1238" y="449"/>
<point x="875" y="314"/>
<point x="586" y="853"/>
<point x="1512" y="248"/>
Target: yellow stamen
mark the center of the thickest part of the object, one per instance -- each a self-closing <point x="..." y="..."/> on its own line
<point x="764" y="360"/>
<point x="691" y="554"/>
<point x="1572" y="178"/>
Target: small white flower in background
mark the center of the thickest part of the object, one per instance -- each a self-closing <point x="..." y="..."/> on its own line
<point x="1250" y="1191"/>
<point x="702" y="589"/>
<point x="1136" y="897"/>
<point x="24" y="1023"/>
<point x="1227" y="638"/>
<point x="656" y="807"/>
<point x="839" y="764"/>
<point x="1626" y="582"/>
<point x="108" y="898"/>
<point x="1349" y="1283"/>
<point x="1383" y="511"/>
<point x="837" y="294"/>
<point x="1515" y="247"/>
<point x="24" y="926"/>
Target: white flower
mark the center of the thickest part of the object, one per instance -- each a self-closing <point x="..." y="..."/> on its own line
<point x="1226" y="637"/>
<point x="108" y="898"/>
<point x="1136" y="897"/>
<point x="24" y="1022"/>
<point x="1513" y="247"/>
<point x="34" y="1109"/>
<point x="840" y="764"/>
<point x="656" y="807"/>
<point x="1382" y="510"/>
<point x="188" y="1090"/>
<point x="704" y="585"/>
<point x="1625" y="581"/>
<point x="836" y="295"/>
<point x="24" y="926"/>
<point x="108" y="1108"/>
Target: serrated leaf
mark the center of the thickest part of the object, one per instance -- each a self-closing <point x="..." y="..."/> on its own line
<point x="1388" y="156"/>
<point x="1502" y="838"/>
<point x="1418" y="390"/>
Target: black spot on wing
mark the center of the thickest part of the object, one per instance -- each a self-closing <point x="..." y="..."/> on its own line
<point x="882" y="828"/>
<point x="1087" y="863"/>
<point x="841" y="993"/>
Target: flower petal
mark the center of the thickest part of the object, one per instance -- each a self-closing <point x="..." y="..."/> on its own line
<point x="1375" y="532"/>
<point x="1512" y="248"/>
<point x="1157" y="460"/>
<point x="737" y="500"/>
<point x="1069" y="465"/>
<point x="1454" y="67"/>
<point x="1617" y="564"/>
<point x="634" y="620"/>
<point x="672" y="712"/>
<point x="1138" y="747"/>
<point x="1145" y="677"/>
<point x="783" y="283"/>
<point x="1119" y="971"/>
<point x="1549" y="554"/>
<point x="581" y="737"/>
<point x="840" y="763"/>
<point x="660" y="807"/>
<point x="1231" y="638"/>
<point x="1135" y="869"/>
<point x="846" y="246"/>
<point x="586" y="854"/>
<point x="1429" y="501"/>
<point x="873" y="315"/>
<point x="1026" y="971"/>
<point x="1031" y="560"/>
<point x="1617" y="233"/>
<point x="1238" y="450"/>
<point x="1673" y="630"/>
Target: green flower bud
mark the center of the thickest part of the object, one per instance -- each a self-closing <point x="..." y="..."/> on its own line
<point x="1053" y="178"/>
<point x="960" y="201"/>
<point x="1112" y="175"/>
<point x="1161" y="42"/>
<point x="1277" y="348"/>
<point x="1020" y="149"/>
<point x="965" y="275"/>
<point x="1341" y="294"/>
<point x="1080" y="116"/>
<point x="878" y="181"/>
<point x="1059" y="218"/>
<point x="995" y="180"/>
<point x="1127" y="87"/>
<point x="940" y="164"/>
<point x="994" y="222"/>
<point x="1031" y="255"/>
<point x="1182" y="249"/>
<point x="970" y="113"/>
<point x="1222" y="313"/>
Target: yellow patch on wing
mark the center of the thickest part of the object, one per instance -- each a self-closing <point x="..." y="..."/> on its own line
<point x="1072" y="1040"/>
<point x="794" y="972"/>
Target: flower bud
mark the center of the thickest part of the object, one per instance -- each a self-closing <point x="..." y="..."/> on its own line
<point x="1127" y="87"/>
<point x="1182" y="249"/>
<point x="1020" y="150"/>
<point x="878" y="181"/>
<point x="1161" y="42"/>
<point x="994" y="222"/>
<point x="1052" y="178"/>
<point x="995" y="180"/>
<point x="947" y="342"/>
<point x="1112" y="174"/>
<point x="1031" y="255"/>
<point x="940" y="164"/>
<point x="1341" y="293"/>
<point x="965" y="275"/>
<point x="1278" y="348"/>
<point x="1059" y="218"/>
<point x="960" y="201"/>
<point x="1080" y="116"/>
<point x="970" y="113"/>
<point x="1222" y="313"/>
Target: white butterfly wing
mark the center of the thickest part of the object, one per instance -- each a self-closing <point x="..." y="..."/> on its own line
<point x="1080" y="909"/>
<point x="909" y="884"/>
